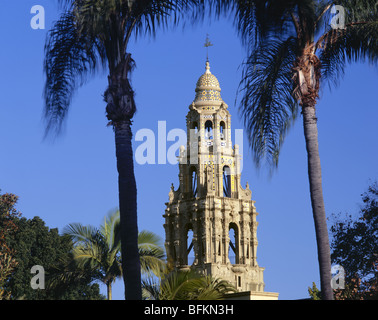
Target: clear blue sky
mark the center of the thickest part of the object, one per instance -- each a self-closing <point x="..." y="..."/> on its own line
<point x="74" y="179"/>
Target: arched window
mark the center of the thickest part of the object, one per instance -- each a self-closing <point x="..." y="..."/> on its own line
<point x="208" y="130"/>
<point x="189" y="245"/>
<point x="233" y="250"/>
<point x="226" y="182"/>
<point x="193" y="173"/>
<point x="195" y="127"/>
<point x="222" y="130"/>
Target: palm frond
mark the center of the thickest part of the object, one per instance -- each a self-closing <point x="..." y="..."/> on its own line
<point x="65" y="4"/>
<point x="148" y="239"/>
<point x="110" y="229"/>
<point x="88" y="255"/>
<point x="69" y="58"/>
<point x="151" y="14"/>
<point x="92" y="34"/>
<point x="94" y="248"/>
<point x="357" y="42"/>
<point x="358" y="10"/>
<point x="178" y="285"/>
<point x="150" y="289"/>
<point x="268" y="107"/>
<point x="151" y="253"/>
<point x="213" y="288"/>
<point x="190" y="285"/>
<point x="67" y="272"/>
<point x="257" y="20"/>
<point x="152" y="263"/>
<point x="80" y="233"/>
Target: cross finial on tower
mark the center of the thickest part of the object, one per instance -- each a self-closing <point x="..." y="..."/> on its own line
<point x="207" y="45"/>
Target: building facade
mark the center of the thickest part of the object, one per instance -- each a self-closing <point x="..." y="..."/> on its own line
<point x="210" y="213"/>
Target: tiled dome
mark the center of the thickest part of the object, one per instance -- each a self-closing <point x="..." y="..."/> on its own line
<point x="208" y="88"/>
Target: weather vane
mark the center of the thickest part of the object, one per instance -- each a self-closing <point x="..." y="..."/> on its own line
<point x="207" y="45"/>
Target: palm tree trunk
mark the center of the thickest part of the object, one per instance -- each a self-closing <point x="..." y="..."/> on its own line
<point x="109" y="290"/>
<point x="120" y="110"/>
<point x="128" y="211"/>
<point x="317" y="202"/>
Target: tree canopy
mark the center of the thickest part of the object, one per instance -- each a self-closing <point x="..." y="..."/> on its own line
<point x="355" y="247"/>
<point x="33" y="243"/>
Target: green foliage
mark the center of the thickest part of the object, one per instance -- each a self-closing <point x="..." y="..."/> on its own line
<point x="36" y="244"/>
<point x="72" y="261"/>
<point x="8" y="213"/>
<point x="355" y="247"/>
<point x="7" y="228"/>
<point x="97" y="251"/>
<point x="186" y="285"/>
<point x="151" y="254"/>
<point x="314" y="292"/>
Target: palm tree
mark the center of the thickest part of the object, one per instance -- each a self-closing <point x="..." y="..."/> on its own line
<point x="92" y="35"/>
<point x="186" y="285"/>
<point x="292" y="50"/>
<point x="98" y="250"/>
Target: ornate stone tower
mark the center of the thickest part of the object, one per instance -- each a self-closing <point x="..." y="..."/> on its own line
<point x="210" y="204"/>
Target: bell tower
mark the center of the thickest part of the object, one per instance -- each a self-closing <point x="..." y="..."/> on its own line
<point x="210" y="204"/>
